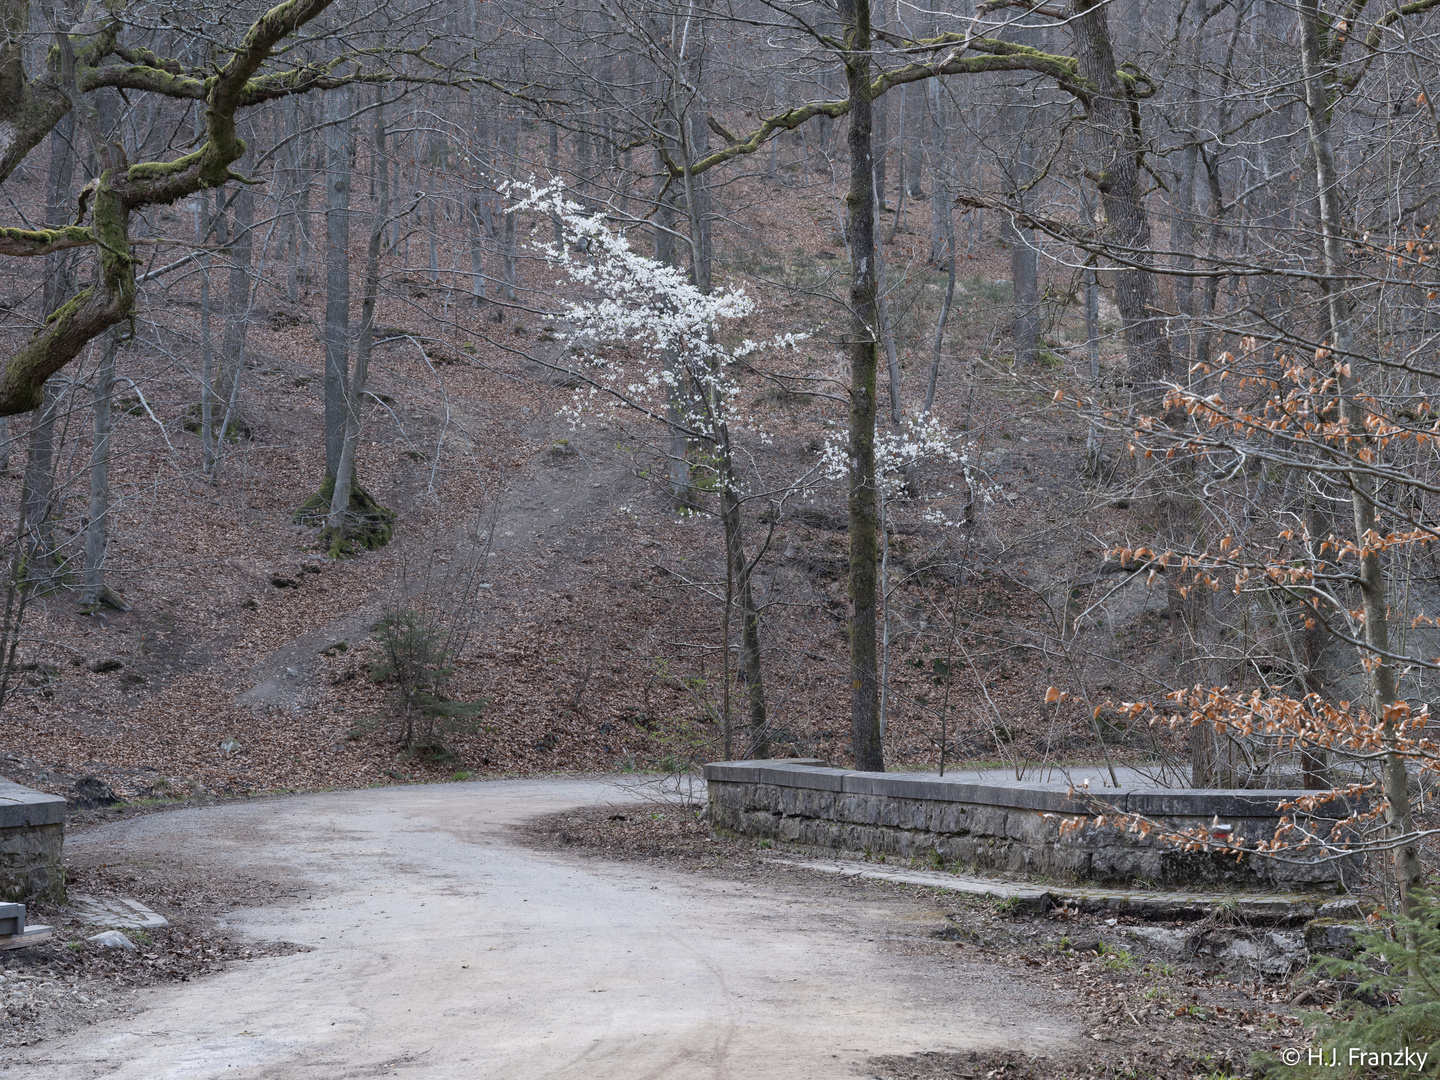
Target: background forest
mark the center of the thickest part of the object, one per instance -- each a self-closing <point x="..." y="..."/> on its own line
<point x="415" y="389"/>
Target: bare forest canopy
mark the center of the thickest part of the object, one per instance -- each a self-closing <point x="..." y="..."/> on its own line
<point x="1016" y="382"/>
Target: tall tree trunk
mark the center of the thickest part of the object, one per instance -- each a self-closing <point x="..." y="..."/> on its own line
<point x="887" y="333"/>
<point x="433" y="232"/>
<point x="552" y="161"/>
<point x="1312" y="755"/>
<point x="308" y="149"/>
<point x="944" y="221"/>
<point x="509" y="150"/>
<point x="237" y="307"/>
<point x="864" y="318"/>
<point x="880" y="146"/>
<point x="97" y="526"/>
<point x="290" y="200"/>
<point x="38" y="496"/>
<point x="203" y="225"/>
<point x="682" y="492"/>
<point x="1394" y="783"/>
<point x="942" y="196"/>
<point x="1024" y="256"/>
<point x="740" y="574"/>
<point x="915" y="128"/>
<point x="474" y="205"/>
<point x="739" y="569"/>
<point x="695" y="139"/>
<point x="59" y="266"/>
<point x="1025" y="278"/>
<point x="337" y="276"/>
<point x="37" y="499"/>
<point x="1116" y="172"/>
<point x="1182" y="217"/>
<point x="355" y="390"/>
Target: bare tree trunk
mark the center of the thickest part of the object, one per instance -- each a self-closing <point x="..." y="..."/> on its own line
<point x="1182" y="217"/>
<point x="695" y="138"/>
<point x="1092" y="321"/>
<point x="475" y="205"/>
<point x="740" y="574"/>
<point x="1116" y="173"/>
<point x="942" y="200"/>
<point x="1024" y="258"/>
<point x="238" y="305"/>
<point x="863" y="503"/>
<point x="303" y="158"/>
<point x="901" y="191"/>
<point x="880" y="147"/>
<point x="682" y="492"/>
<point x="1312" y="755"/>
<point x="337" y="276"/>
<point x="887" y="334"/>
<point x="1394" y="783"/>
<point x="59" y="272"/>
<point x="552" y="161"/>
<point x="37" y="499"/>
<point x="1025" y="277"/>
<point x="355" y="389"/>
<point x="345" y="467"/>
<point x="509" y="149"/>
<point x="433" y="232"/>
<point x="97" y="526"/>
<point x="289" y="166"/>
<point x="902" y="163"/>
<point x="914" y="129"/>
<point x="940" y="213"/>
<point x="203" y="225"/>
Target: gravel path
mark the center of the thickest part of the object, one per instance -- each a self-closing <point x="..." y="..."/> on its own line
<point x="440" y="946"/>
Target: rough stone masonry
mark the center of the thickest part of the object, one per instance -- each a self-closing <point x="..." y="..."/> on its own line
<point x="1010" y="826"/>
<point x="32" y="834"/>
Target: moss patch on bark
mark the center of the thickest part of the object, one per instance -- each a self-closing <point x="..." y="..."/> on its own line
<point x="367" y="525"/>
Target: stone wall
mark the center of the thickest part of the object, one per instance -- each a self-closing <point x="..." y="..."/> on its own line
<point x="32" y="833"/>
<point x="1005" y="825"/>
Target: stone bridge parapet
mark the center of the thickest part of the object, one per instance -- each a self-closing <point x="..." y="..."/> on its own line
<point x="1014" y="826"/>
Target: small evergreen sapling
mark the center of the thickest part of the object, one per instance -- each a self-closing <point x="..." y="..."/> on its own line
<point x="418" y="657"/>
<point x="1392" y="1003"/>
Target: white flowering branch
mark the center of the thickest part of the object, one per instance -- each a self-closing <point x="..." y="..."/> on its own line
<point x="646" y="337"/>
<point x="920" y="439"/>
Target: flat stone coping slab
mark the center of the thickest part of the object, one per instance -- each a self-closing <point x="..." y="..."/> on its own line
<point x="22" y="806"/>
<point x="115" y="913"/>
<point x="1286" y="907"/>
<point x="15" y="934"/>
<point x="993" y="789"/>
<point x="34" y="934"/>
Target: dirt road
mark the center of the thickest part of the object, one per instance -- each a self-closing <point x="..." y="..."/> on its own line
<point x="441" y="946"/>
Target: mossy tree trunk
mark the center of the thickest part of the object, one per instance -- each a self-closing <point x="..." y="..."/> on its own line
<point x="864" y="321"/>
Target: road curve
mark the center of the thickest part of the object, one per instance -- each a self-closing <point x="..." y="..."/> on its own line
<point x="444" y="948"/>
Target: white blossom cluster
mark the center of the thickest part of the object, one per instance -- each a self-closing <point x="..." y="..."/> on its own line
<point x="921" y="439"/>
<point x="649" y="311"/>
